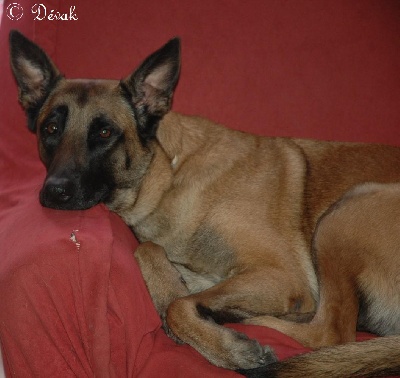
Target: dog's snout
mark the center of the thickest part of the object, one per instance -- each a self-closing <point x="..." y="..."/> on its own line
<point x="57" y="191"/>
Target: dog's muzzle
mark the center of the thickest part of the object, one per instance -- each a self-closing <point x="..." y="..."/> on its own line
<point x="56" y="192"/>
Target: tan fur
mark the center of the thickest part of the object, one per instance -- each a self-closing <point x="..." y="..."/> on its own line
<point x="266" y="215"/>
<point x="225" y="219"/>
<point x="357" y="247"/>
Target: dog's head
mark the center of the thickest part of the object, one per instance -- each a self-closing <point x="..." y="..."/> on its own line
<point x="94" y="136"/>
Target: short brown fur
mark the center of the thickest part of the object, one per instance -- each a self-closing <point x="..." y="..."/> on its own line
<point x="357" y="248"/>
<point x="225" y="219"/>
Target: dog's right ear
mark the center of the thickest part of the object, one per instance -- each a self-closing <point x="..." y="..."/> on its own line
<point x="34" y="72"/>
<point x="150" y="88"/>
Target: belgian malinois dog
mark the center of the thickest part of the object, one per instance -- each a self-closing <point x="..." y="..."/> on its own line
<point x="225" y="219"/>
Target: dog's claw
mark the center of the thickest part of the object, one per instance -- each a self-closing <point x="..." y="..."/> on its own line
<point x="249" y="354"/>
<point x="269" y="355"/>
<point x="268" y="358"/>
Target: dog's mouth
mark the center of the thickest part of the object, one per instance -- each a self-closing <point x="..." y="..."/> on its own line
<point x="63" y="194"/>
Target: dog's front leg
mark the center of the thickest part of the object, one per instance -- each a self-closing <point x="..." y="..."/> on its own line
<point x="196" y="319"/>
<point x="163" y="281"/>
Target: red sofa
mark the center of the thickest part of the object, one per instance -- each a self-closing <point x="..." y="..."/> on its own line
<point x="73" y="302"/>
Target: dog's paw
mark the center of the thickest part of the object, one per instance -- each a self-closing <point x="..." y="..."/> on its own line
<point x="249" y="354"/>
<point x="258" y="372"/>
<point x="169" y="332"/>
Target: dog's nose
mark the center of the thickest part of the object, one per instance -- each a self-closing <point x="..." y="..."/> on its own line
<point x="58" y="190"/>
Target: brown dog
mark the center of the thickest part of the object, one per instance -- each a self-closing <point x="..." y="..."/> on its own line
<point x="225" y="218"/>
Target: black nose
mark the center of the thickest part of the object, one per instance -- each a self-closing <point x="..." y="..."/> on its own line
<point x="57" y="190"/>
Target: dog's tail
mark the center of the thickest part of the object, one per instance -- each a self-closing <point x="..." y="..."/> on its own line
<point x="378" y="357"/>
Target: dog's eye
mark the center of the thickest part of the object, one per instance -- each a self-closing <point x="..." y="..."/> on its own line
<point x="51" y="128"/>
<point x="105" y="133"/>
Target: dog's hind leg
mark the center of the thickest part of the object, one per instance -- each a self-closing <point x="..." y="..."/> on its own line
<point x="356" y="246"/>
<point x="336" y="318"/>
<point x="339" y="267"/>
<point x="357" y="251"/>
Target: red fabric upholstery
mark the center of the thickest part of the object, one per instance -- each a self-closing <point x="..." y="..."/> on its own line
<point x="72" y="298"/>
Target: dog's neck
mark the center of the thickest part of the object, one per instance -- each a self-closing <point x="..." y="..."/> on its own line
<point x="179" y="138"/>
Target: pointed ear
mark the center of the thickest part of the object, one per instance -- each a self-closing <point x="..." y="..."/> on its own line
<point x="150" y="88"/>
<point x="34" y="72"/>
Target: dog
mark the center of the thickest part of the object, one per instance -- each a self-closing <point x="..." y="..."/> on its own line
<point x="225" y="219"/>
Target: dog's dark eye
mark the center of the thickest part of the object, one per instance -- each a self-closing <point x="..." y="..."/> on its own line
<point x="51" y="128"/>
<point x="105" y="133"/>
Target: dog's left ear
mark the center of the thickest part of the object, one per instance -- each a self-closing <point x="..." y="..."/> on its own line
<point x="150" y="88"/>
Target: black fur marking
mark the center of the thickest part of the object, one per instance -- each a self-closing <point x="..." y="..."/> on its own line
<point x="219" y="316"/>
<point x="82" y="97"/>
<point x="128" y="161"/>
<point x="146" y="124"/>
<point x="57" y="116"/>
<point x="96" y="141"/>
<point x="32" y="115"/>
<point x="260" y="372"/>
